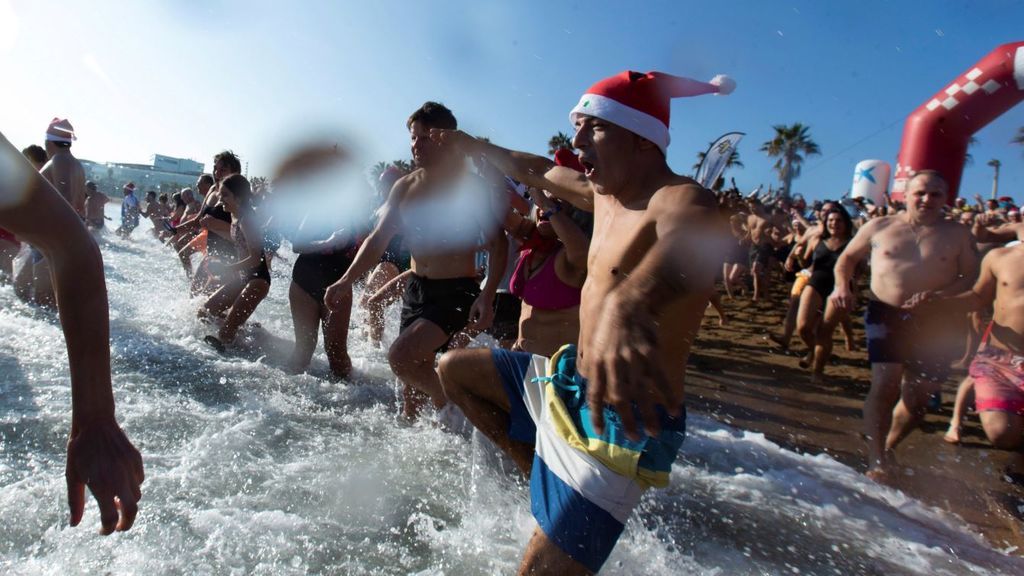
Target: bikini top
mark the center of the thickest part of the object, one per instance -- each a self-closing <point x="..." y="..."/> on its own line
<point x="545" y="290"/>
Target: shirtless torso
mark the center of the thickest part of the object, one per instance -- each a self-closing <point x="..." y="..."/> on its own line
<point x="1002" y="283"/>
<point x="66" y="174"/>
<point x="440" y="240"/>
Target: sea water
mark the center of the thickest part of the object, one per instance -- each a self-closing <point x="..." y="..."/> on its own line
<point x="250" y="470"/>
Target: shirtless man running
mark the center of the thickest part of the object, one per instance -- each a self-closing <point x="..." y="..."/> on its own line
<point x="997" y="370"/>
<point x="95" y="202"/>
<point x="910" y="351"/>
<point x="658" y="243"/>
<point x="66" y="174"/>
<point x="442" y="296"/>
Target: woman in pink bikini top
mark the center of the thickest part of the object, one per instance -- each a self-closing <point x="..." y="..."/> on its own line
<point x="549" y="276"/>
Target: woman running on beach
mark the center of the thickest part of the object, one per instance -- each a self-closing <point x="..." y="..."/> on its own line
<point x="249" y="277"/>
<point x="816" y="321"/>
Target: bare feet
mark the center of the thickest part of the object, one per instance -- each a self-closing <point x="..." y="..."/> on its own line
<point x="952" y="435"/>
<point x="883" y="472"/>
<point x="817" y="378"/>
<point x="807" y="360"/>
<point x="851" y="345"/>
<point x="721" y="320"/>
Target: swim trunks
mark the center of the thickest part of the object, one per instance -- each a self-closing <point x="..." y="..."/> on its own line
<point x="998" y="378"/>
<point x="761" y="253"/>
<point x="583" y="486"/>
<point x="895" y="336"/>
<point x="445" y="302"/>
<point x="314" y="273"/>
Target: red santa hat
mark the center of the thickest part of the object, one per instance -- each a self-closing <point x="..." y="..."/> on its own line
<point x="60" y="130"/>
<point x="641" y="102"/>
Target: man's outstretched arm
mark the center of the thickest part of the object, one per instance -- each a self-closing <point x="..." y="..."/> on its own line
<point x="530" y="169"/>
<point x="99" y="453"/>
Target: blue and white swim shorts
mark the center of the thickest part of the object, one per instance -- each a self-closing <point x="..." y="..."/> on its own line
<point x="584" y="485"/>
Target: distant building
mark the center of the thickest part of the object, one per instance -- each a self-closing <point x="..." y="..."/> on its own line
<point x="164" y="174"/>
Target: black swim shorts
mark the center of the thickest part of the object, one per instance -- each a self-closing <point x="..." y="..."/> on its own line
<point x="445" y="302"/>
<point x="895" y="336"/>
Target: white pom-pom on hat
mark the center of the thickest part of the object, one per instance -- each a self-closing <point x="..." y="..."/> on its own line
<point x="725" y="84"/>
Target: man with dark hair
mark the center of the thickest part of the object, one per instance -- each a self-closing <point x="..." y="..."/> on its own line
<point x="229" y="162"/>
<point x="910" y="351"/>
<point x="442" y="295"/>
<point x="36" y="155"/>
<point x="435" y="115"/>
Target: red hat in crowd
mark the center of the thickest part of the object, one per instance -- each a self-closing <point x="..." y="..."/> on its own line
<point x="565" y="157"/>
<point x="641" y="102"/>
<point x="60" y="130"/>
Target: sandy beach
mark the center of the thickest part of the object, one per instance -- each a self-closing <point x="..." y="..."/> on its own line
<point x="740" y="377"/>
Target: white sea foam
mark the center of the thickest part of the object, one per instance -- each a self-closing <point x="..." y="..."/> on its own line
<point x="252" y="471"/>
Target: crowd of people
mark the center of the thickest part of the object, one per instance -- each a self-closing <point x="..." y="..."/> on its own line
<point x="591" y="271"/>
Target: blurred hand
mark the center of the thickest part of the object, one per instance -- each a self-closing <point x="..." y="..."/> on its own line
<point x="338" y="295"/>
<point x="481" y="315"/>
<point x="101" y="457"/>
<point x="455" y="138"/>
<point x="842" y="298"/>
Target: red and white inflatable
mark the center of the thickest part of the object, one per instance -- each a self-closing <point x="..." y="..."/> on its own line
<point x="935" y="135"/>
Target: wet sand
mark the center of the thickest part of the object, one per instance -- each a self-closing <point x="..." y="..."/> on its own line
<point x="740" y="377"/>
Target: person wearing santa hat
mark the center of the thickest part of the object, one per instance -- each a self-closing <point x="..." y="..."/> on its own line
<point x="595" y="426"/>
<point x="99" y="454"/>
<point x="66" y="174"/>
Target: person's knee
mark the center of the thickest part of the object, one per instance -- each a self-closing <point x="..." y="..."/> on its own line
<point x="1002" y="434"/>
<point x="402" y="359"/>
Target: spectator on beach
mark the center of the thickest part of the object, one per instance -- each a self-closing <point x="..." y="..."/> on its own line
<point x="130" y="211"/>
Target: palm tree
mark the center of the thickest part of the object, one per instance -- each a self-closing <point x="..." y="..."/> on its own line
<point x="404" y="165"/>
<point x="791" y="145"/>
<point x="995" y="164"/>
<point x="377" y="170"/>
<point x="969" y="158"/>
<point x="559" y="141"/>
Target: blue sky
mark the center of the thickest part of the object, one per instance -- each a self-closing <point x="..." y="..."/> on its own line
<point x="188" y="78"/>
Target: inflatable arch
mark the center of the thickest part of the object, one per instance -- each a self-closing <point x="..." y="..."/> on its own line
<point x="935" y="135"/>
